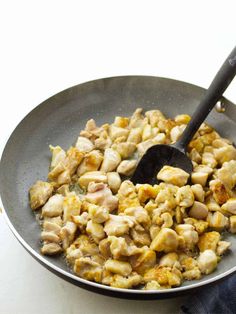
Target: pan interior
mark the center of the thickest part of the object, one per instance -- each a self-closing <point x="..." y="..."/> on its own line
<point x="58" y="121"/>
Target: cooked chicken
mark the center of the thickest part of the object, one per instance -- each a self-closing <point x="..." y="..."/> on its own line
<point x="39" y="194"/>
<point x="127" y="167"/>
<point x="91" y="162"/>
<point x="155" y="235"/>
<point x="166" y="241"/>
<point x="92" y="176"/>
<point x="173" y="175"/>
<point x="111" y="160"/>
<point x="100" y="194"/>
<point x="54" y="206"/>
<point x="207" y="262"/>
<point x="113" y="181"/>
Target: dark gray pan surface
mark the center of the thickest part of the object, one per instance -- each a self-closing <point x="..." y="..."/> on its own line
<point x="58" y="121"/>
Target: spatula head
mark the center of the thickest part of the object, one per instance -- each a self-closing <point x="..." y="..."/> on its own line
<point x="155" y="158"/>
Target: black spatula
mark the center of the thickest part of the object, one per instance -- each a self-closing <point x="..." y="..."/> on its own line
<point x="175" y="155"/>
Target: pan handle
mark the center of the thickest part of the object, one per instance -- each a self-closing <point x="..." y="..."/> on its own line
<point x="219" y="84"/>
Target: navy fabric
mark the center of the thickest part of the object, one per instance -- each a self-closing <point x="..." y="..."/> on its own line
<point x="217" y="299"/>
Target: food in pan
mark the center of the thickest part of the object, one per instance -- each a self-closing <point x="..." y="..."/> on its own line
<point x="138" y="236"/>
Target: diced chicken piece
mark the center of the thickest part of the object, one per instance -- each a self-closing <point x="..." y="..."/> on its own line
<point x="84" y="145"/>
<point x="132" y="280"/>
<point x="98" y="214"/>
<point x="54" y="220"/>
<point x="114" y="181"/>
<point x="72" y="254"/>
<point x="166" y="241"/>
<point x="103" y="141"/>
<point x="166" y="125"/>
<point x="154" y="116"/>
<point x="225" y="153"/>
<point x="147" y="132"/>
<point x="230" y="206"/>
<point x="93" y="176"/>
<point x="222" y="247"/>
<point x="207" y="262"/>
<point x="127" y="196"/>
<point x="227" y="174"/>
<point x="185" y="196"/>
<point x="119" y="247"/>
<point x="118" y="225"/>
<point x="91" y="162"/>
<point x="81" y="220"/>
<point x="160" y="138"/>
<point x="137" y="119"/>
<point x="232" y="224"/>
<point x="211" y="204"/>
<point x="170" y="260"/>
<point x="198" y="192"/>
<point x="198" y="210"/>
<point x="140" y="214"/>
<point x="147" y="191"/>
<point x="153" y="285"/>
<point x="217" y="220"/>
<point x="140" y="237"/>
<point x="220" y="142"/>
<point x="121" y="122"/>
<point x="118" y="267"/>
<point x="86" y="245"/>
<point x="50" y="236"/>
<point x="125" y="149"/>
<point x="99" y="194"/>
<point x="54" y="206"/>
<point x="67" y="233"/>
<point x="111" y="160"/>
<point x="167" y="220"/>
<point x="189" y="235"/>
<point x="195" y="156"/>
<point x="154" y="230"/>
<point x="58" y="155"/>
<point x="135" y="136"/>
<point x="115" y="132"/>
<point x="173" y="175"/>
<point x="166" y="196"/>
<point x="88" y="269"/>
<point x="164" y="276"/>
<point x="71" y="206"/>
<point x="143" y="261"/>
<point x="182" y="118"/>
<point x="176" y="132"/>
<point x="199" y="225"/>
<point x="73" y="159"/>
<point x="219" y="191"/>
<point x="208" y="241"/>
<point x="95" y="230"/>
<point x="199" y="178"/>
<point x="51" y="249"/>
<point x="209" y="160"/>
<point x="127" y="167"/>
<point x="63" y="190"/>
<point x="192" y="274"/>
<point x="49" y="226"/>
<point x="144" y="146"/>
<point x="39" y="194"/>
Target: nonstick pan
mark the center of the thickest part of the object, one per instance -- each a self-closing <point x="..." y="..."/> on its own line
<point x="58" y="121"/>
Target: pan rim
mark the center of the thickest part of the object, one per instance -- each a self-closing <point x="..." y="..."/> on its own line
<point x="73" y="277"/>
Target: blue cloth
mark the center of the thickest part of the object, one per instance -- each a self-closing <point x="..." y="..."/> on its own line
<point x="217" y="299"/>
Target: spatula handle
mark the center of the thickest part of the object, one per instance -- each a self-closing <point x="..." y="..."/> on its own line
<point x="219" y="84"/>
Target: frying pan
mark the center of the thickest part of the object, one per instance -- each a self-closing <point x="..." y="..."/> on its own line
<point x="58" y="121"/>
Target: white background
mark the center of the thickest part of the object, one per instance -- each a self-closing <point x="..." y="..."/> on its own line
<point x="47" y="46"/>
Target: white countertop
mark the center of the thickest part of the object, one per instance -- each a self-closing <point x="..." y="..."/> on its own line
<point x="48" y="46"/>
